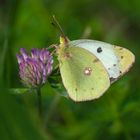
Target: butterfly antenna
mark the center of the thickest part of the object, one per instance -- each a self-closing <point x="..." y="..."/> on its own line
<point x="57" y="25"/>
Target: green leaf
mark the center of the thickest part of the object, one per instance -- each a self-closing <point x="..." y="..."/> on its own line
<point x="60" y="89"/>
<point x="20" y="90"/>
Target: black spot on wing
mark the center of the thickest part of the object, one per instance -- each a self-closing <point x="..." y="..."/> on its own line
<point x="99" y="50"/>
<point x="112" y="79"/>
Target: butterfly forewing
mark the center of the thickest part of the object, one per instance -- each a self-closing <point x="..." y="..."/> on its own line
<point x="83" y="75"/>
<point x="104" y="52"/>
<point x="126" y="59"/>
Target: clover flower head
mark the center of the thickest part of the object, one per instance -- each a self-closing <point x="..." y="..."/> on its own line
<point x="35" y="68"/>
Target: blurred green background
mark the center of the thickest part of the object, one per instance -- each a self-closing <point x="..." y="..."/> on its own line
<point x="27" y="23"/>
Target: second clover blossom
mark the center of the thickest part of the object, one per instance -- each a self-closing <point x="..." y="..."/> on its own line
<point x="35" y="68"/>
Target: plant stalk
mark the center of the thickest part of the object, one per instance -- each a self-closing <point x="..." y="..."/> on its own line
<point x="39" y="102"/>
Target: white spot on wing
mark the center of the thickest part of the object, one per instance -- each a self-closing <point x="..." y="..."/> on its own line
<point x="87" y="71"/>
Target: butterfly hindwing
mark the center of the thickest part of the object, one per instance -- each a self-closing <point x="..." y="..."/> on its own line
<point x="83" y="75"/>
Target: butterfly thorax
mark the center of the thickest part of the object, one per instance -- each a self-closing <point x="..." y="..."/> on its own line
<point x="62" y="49"/>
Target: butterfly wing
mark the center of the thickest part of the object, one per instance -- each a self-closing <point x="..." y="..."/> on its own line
<point x="126" y="59"/>
<point x="83" y="75"/>
<point x="104" y="52"/>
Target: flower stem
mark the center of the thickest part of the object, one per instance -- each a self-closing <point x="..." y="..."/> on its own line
<point x="39" y="102"/>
